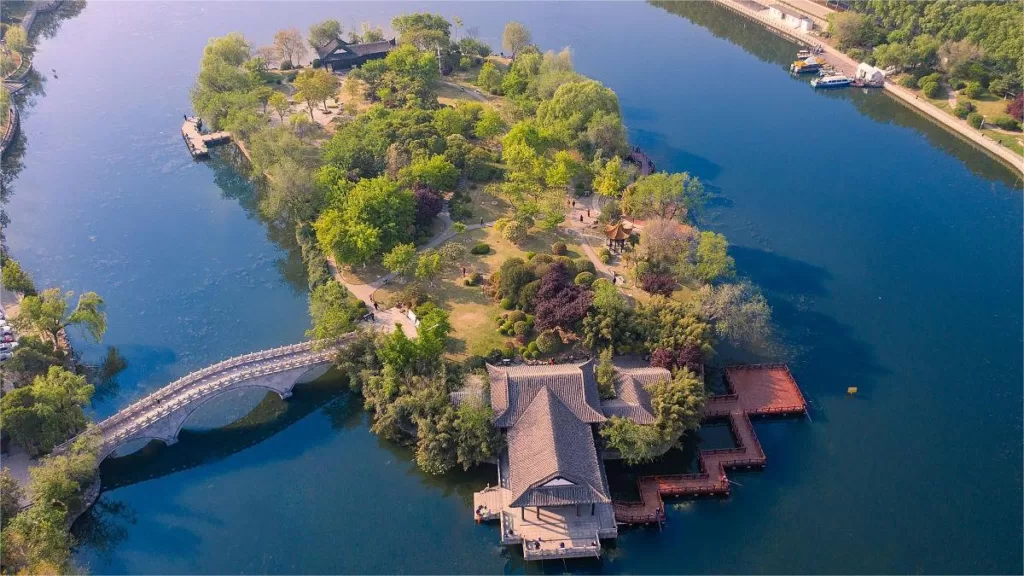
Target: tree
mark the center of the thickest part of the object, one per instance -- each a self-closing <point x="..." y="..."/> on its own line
<point x="671" y="196"/>
<point x="11" y="496"/>
<point x="401" y="259"/>
<point x="489" y="125"/>
<point x="289" y="44"/>
<point x="956" y="58"/>
<point x="428" y="266"/>
<point x="678" y="404"/>
<point x="334" y="310"/>
<point x="436" y="444"/>
<point x="611" y="178"/>
<point x="48" y="411"/>
<point x="1015" y="107"/>
<point x="739" y="313"/>
<point x="48" y="313"/>
<point x="604" y="373"/>
<point x="575" y="104"/>
<point x="672" y="325"/>
<point x="37" y="542"/>
<point x="16" y="38"/>
<point x="560" y="303"/>
<point x="435" y="172"/>
<point x="636" y="443"/>
<point x="33" y="357"/>
<point x="279" y="103"/>
<point x="316" y="86"/>
<point x="423" y="30"/>
<point x="514" y="38"/>
<point x="612" y="322"/>
<point x="606" y="133"/>
<point x="477" y="440"/>
<point x="658" y="283"/>
<point x="851" y="30"/>
<point x="713" y="260"/>
<point x="489" y="78"/>
<point x="664" y="240"/>
<point x="323" y="32"/>
<point x="15" y="279"/>
<point x="453" y="252"/>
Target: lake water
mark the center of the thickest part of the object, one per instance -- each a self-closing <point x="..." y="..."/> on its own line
<point x="890" y="252"/>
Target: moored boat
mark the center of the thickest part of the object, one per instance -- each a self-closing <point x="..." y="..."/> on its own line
<point x="808" y="66"/>
<point x="836" y="81"/>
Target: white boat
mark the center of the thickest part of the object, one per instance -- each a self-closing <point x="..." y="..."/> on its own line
<point x="837" y="81"/>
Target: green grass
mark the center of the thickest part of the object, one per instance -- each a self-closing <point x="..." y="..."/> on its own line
<point x="1011" y="140"/>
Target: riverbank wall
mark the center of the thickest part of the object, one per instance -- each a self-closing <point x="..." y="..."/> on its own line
<point x="849" y="65"/>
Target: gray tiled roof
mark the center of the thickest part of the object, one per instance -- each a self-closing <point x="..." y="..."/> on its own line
<point x="371" y="47"/>
<point x="631" y="398"/>
<point x="513" y="388"/>
<point x="548" y="442"/>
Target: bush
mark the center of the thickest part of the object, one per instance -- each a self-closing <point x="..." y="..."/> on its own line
<point x="559" y="249"/>
<point x="1006" y="122"/>
<point x="480" y="249"/>
<point x="316" y="62"/>
<point x="973" y="90"/>
<point x="584" y="279"/>
<point x="473" y="279"/>
<point x="930" y="89"/>
<point x="907" y="81"/>
<point x="507" y="303"/>
<point x="547" y="342"/>
<point x="929" y="79"/>
<point x="585" y="265"/>
<point x="474" y="363"/>
<point x="605" y="255"/>
<point x="975" y="120"/>
<point x="494" y="355"/>
<point x="963" y="108"/>
<point x="510" y="351"/>
<point x="286" y="65"/>
<point x="520" y="328"/>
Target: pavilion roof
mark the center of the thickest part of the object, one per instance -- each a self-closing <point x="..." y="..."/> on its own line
<point x="619" y="231"/>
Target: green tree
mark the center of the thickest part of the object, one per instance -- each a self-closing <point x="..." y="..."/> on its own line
<point x="16" y="38"/>
<point x="48" y="313"/>
<point x="16" y="279"/>
<point x="436" y="444"/>
<point x="515" y="37"/>
<point x="334" y="310"/>
<point x="436" y="172"/>
<point x="476" y="439"/>
<point x="636" y="443"/>
<point x="489" y="125"/>
<point x="490" y="78"/>
<point x="672" y="196"/>
<point x="423" y="30"/>
<point x="678" y="404"/>
<point x="739" y="313"/>
<point x="428" y="265"/>
<point x="713" y="260"/>
<point x="604" y="373"/>
<point x="47" y="412"/>
<point x="851" y="30"/>
<point x="316" y="86"/>
<point x="37" y="542"/>
<point x="11" y="496"/>
<point x="293" y="196"/>
<point x="33" y="357"/>
<point x="574" y="105"/>
<point x="606" y="133"/>
<point x="279" y="102"/>
<point x="401" y="259"/>
<point x="611" y="178"/>
<point x="323" y="32"/>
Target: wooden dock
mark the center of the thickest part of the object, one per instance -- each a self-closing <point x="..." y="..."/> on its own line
<point x="757" y="390"/>
<point x="198" y="143"/>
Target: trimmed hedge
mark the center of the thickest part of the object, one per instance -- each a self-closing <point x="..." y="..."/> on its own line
<point x="480" y="249"/>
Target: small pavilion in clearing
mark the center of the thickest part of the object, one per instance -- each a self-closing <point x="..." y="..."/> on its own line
<point x="618" y="233"/>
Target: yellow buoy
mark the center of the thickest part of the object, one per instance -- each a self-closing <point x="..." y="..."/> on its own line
<point x="851" y="390"/>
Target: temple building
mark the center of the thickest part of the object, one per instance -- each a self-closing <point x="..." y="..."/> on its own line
<point x="552" y="496"/>
<point x="340" y="55"/>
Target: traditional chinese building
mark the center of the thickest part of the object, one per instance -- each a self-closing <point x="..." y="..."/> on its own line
<point x="340" y="55"/>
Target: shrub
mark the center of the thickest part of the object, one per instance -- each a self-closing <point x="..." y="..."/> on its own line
<point x="480" y="249"/>
<point x="928" y="79"/>
<point x="516" y="316"/>
<point x="605" y="255"/>
<point x="473" y="279"/>
<point x="584" y="279"/>
<point x="519" y="328"/>
<point x="930" y="89"/>
<point x="547" y="342"/>
<point x="532" y="347"/>
<point x="975" y="120"/>
<point x="654" y="283"/>
<point x="494" y="355"/>
<point x="973" y="90"/>
<point x="510" y="351"/>
<point x="286" y="65"/>
<point x="474" y="363"/>
<point x="316" y="62"/>
<point x="907" y="81"/>
<point x="963" y="108"/>
<point x="530" y="255"/>
<point x="585" y="265"/>
<point x="559" y="249"/>
<point x="1006" y="122"/>
<point x="1015" y="107"/>
<point x="507" y="303"/>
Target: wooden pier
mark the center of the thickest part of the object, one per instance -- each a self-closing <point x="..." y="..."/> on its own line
<point x="642" y="161"/>
<point x="198" y="143"/>
<point x="756" y="390"/>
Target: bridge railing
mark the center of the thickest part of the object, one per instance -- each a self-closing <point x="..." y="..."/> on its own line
<point x="145" y="403"/>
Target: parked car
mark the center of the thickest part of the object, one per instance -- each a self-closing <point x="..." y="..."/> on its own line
<point x="6" y="356"/>
<point x="8" y="346"/>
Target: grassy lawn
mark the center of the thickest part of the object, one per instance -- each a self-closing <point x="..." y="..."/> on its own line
<point x="485" y="206"/>
<point x="990" y="106"/>
<point x="1009" y="139"/>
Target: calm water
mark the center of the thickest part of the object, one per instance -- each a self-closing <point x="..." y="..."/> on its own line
<point x="890" y="251"/>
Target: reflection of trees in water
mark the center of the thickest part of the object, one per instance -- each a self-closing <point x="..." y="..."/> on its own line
<point x="104" y="526"/>
<point x="230" y="171"/>
<point x="47" y="24"/>
<point x="767" y="46"/>
<point x="103" y="376"/>
<point x="272" y="415"/>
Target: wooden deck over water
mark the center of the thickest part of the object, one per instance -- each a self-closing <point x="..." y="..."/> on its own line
<point x="759" y="390"/>
<point x="198" y="143"/>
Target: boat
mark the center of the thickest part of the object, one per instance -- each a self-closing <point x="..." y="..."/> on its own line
<point x="837" y="81"/>
<point x="803" y="54"/>
<point x="808" y="66"/>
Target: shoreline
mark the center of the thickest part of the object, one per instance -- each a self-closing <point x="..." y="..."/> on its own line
<point x="950" y="123"/>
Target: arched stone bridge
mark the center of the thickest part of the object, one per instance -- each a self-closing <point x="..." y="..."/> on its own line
<point x="161" y="415"/>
